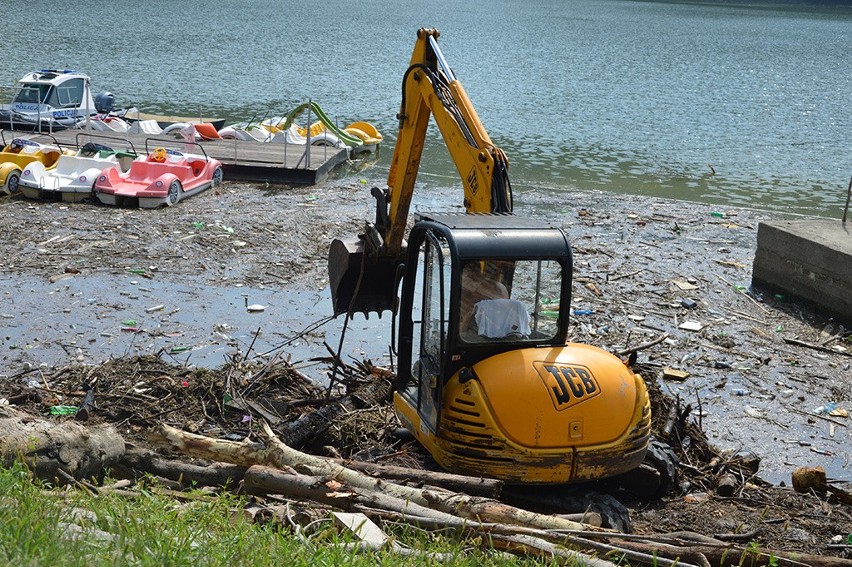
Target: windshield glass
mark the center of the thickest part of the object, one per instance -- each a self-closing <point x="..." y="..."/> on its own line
<point x="68" y="95"/>
<point x="32" y="94"/>
<point x="509" y="300"/>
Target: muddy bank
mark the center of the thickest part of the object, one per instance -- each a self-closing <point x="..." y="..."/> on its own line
<point x="85" y="283"/>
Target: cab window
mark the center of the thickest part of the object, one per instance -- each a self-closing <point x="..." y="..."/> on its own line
<point x="509" y="300"/>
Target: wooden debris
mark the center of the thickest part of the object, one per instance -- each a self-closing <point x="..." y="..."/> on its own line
<point x="675" y="374"/>
<point x="806" y="479"/>
<point x="797" y="342"/>
<point x="47" y="447"/>
<point x="278" y="454"/>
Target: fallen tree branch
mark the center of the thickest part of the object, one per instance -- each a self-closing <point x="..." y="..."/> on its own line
<point x="643" y="346"/>
<point x="819" y="348"/>
<point x="475" y="486"/>
<point x="137" y="461"/>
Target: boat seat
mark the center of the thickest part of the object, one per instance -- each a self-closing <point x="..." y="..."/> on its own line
<point x="207" y="131"/>
<point x="145" y="127"/>
<point x="51" y="156"/>
<point x="197" y="167"/>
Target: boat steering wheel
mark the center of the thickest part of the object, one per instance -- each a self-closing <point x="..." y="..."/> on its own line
<point x="159" y="154"/>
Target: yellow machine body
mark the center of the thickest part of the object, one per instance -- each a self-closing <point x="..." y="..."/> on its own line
<point x="538" y="415"/>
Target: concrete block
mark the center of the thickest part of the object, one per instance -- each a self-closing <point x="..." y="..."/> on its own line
<point x="811" y="259"/>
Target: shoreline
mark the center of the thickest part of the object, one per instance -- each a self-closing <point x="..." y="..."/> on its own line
<point x="632" y="256"/>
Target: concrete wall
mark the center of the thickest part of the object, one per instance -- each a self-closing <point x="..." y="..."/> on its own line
<point x="811" y="259"/>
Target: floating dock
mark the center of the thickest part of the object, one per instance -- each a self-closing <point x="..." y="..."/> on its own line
<point x="811" y="259"/>
<point x="241" y="160"/>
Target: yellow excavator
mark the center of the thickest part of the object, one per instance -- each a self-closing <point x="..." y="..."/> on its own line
<point x="487" y="381"/>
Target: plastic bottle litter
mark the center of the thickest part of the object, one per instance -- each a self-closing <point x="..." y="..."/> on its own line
<point x="739" y="392"/>
<point x="826" y="408"/>
<point x="582" y="311"/>
<point x="717" y="214"/>
<point x="63" y="410"/>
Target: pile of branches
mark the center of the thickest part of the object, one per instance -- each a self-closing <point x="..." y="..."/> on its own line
<point x="255" y="418"/>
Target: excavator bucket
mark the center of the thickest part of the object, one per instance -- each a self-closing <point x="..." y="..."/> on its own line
<point x="361" y="282"/>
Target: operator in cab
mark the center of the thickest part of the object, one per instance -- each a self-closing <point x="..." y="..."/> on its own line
<point x="487" y="312"/>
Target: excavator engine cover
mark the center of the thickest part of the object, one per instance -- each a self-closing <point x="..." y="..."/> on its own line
<point x="361" y="282"/>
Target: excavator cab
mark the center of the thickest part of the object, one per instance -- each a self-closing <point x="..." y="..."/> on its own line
<point x="486" y="380"/>
<point x="478" y="285"/>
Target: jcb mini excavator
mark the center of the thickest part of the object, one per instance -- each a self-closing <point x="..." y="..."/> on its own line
<point x="487" y="381"/>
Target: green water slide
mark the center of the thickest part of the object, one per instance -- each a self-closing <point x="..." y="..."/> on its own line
<point x="345" y="137"/>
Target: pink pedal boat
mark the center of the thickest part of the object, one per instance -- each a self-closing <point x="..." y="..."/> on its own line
<point x="161" y="178"/>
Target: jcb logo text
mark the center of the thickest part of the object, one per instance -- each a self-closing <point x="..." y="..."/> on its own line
<point x="568" y="384"/>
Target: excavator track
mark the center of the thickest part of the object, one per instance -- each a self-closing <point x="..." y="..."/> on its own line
<point x="663" y="459"/>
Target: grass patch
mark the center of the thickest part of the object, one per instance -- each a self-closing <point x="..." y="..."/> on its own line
<point x="70" y="527"/>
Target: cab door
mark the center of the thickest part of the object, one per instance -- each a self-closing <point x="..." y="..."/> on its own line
<point x="430" y="318"/>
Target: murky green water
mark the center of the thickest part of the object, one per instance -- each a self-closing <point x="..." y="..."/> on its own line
<point x="637" y="97"/>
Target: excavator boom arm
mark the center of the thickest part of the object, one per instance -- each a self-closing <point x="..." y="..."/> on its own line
<point x="362" y="272"/>
<point x="429" y="88"/>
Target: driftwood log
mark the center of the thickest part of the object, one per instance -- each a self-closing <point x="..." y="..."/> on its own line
<point x="475" y="486"/>
<point x="50" y="446"/>
<point x="137" y="461"/>
<point x="277" y="454"/>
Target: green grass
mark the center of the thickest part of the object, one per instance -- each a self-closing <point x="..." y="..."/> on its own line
<point x="157" y="530"/>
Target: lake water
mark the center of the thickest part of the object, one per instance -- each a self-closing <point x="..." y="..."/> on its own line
<point x="636" y="97"/>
